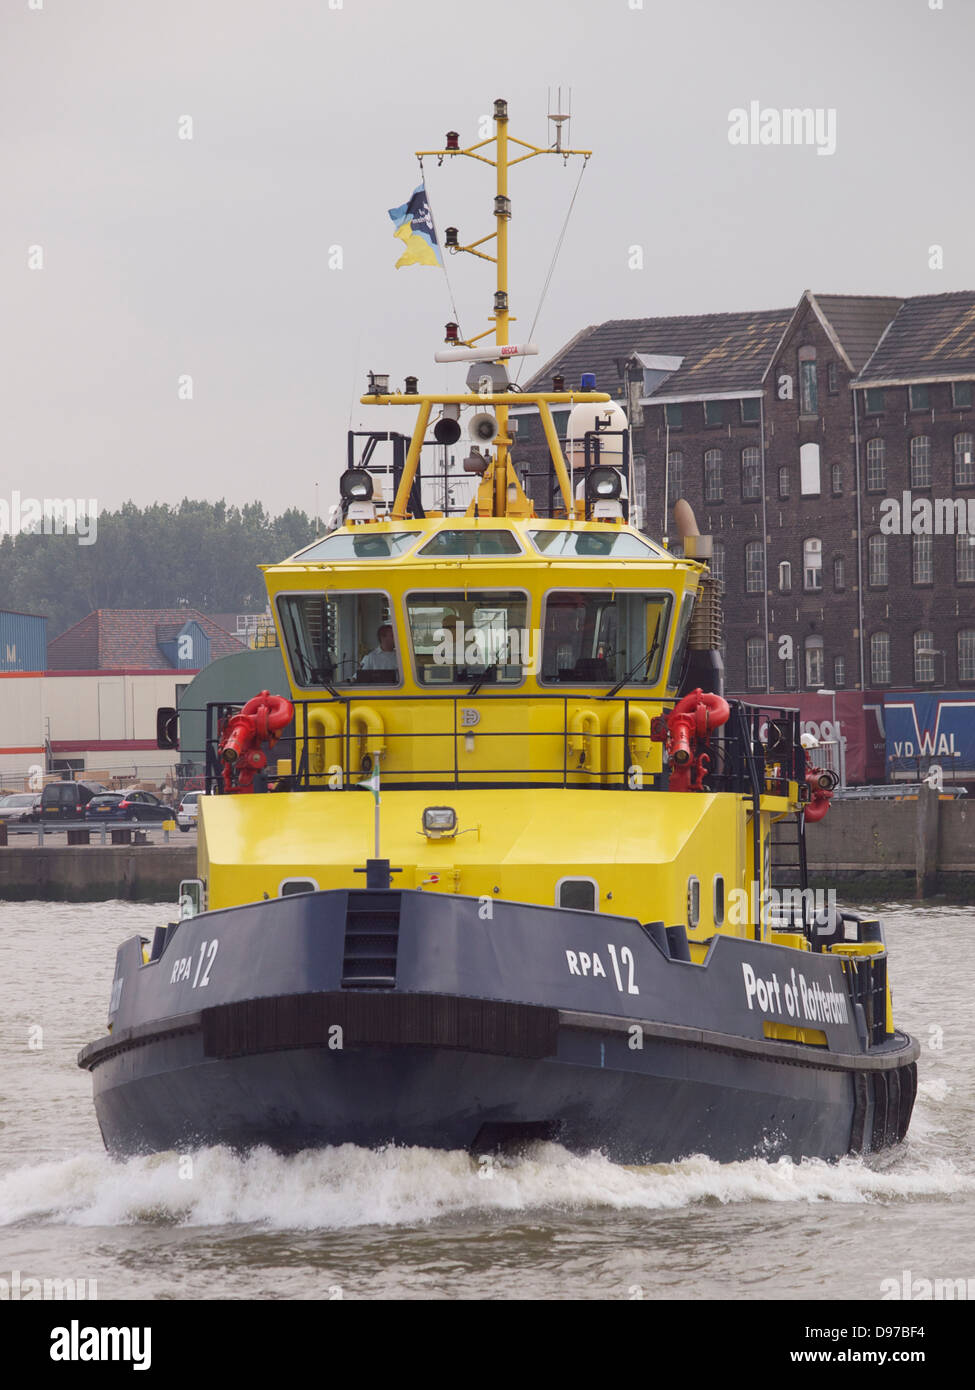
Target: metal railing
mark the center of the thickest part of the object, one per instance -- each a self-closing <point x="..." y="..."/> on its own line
<point x="756" y="753"/>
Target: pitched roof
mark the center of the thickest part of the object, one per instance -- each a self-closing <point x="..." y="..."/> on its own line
<point x="933" y="335"/>
<point x="721" y="352"/>
<point x="115" y="639"/>
<point x="858" y="321"/>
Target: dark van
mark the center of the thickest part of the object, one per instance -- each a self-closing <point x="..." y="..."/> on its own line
<point x="67" y="800"/>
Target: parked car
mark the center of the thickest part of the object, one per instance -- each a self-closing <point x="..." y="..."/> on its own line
<point x="67" y="800"/>
<point x="130" y="805"/>
<point x="20" y="806"/>
<point x="186" y="816"/>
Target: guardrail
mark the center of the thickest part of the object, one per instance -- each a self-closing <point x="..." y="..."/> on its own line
<point x="94" y="832"/>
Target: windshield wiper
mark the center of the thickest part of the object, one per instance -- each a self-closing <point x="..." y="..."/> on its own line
<point x="482" y="678"/>
<point x="645" y="660"/>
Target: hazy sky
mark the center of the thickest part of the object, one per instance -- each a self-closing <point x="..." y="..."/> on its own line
<point x="209" y="256"/>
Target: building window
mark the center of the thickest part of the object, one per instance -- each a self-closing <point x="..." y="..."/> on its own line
<point x="754" y="568"/>
<point x="839" y="572"/>
<point x="808" y="389"/>
<point x="966" y="654"/>
<point x="675" y="475"/>
<point x="876" y="400"/>
<point x="750" y="410"/>
<point x="755" y="663"/>
<point x="812" y="564"/>
<point x="876" y="466"/>
<point x="880" y="658"/>
<point x="918" y="398"/>
<point x="674" y="416"/>
<point x="785" y="577"/>
<point x="713" y="486"/>
<point x="965" y="559"/>
<point x="839" y="671"/>
<point x="922" y="559"/>
<point x="836" y="479"/>
<point x="714" y="412"/>
<point x="789" y="681"/>
<point x="921" y="461"/>
<point x="832" y="379"/>
<point x="961" y="395"/>
<point x="924" y="655"/>
<point x="783" y="482"/>
<point x="717" y="561"/>
<point x="751" y="474"/>
<point x="877" y="560"/>
<point x="814" y="661"/>
<point x="964" y="461"/>
<point x="809" y="480"/>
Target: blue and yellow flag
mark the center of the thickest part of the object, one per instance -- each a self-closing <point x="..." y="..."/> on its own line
<point x="414" y="227"/>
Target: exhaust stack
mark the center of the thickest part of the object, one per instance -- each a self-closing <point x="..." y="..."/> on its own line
<point x="704" y="665"/>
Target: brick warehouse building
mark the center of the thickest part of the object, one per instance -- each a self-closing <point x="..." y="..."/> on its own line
<point x="786" y="430"/>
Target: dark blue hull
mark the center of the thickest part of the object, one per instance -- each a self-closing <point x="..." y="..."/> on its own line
<point x="648" y="1064"/>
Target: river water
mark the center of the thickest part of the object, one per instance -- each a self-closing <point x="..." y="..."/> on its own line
<point x="351" y="1223"/>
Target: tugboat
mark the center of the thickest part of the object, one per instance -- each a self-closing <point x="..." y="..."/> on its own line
<point x="553" y="916"/>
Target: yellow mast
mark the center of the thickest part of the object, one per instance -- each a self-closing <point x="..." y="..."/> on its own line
<point x="502" y="317"/>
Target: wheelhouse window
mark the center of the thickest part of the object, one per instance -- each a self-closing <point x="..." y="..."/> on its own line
<point x="362" y="544"/>
<point x="464" y="544"/>
<point x="462" y="636"/>
<point x="590" y="545"/>
<point x="337" y="638"/>
<point x="604" y="637"/>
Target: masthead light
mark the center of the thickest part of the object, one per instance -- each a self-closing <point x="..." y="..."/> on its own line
<point x="453" y="140"/>
<point x="378" y="384"/>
